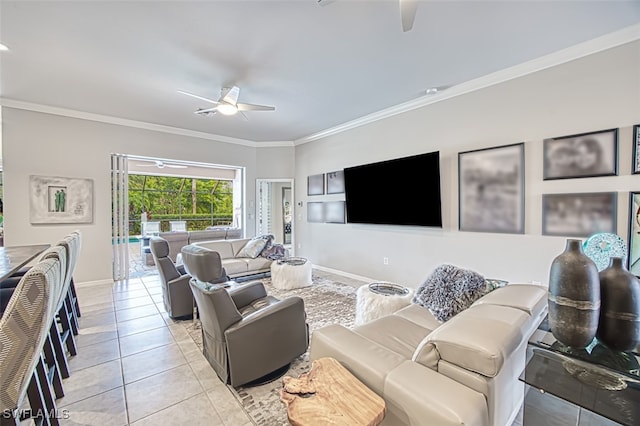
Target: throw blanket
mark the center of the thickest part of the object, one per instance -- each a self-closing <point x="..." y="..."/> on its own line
<point x="275" y="252"/>
<point x="271" y="251"/>
<point x="450" y="290"/>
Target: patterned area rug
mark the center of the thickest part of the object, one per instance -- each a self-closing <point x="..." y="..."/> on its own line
<point x="330" y="300"/>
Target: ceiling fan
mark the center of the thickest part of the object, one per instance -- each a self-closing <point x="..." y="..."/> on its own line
<point x="408" y="10"/>
<point x="161" y="165"/>
<point x="228" y="103"/>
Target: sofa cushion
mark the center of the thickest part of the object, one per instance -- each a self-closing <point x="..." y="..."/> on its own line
<point x="252" y="248"/>
<point x="258" y="264"/>
<point x="478" y="339"/>
<point x="419" y="315"/>
<point x="235" y="266"/>
<point x="237" y="245"/>
<point x="224" y="247"/>
<point x="450" y="290"/>
<point x="526" y="297"/>
<point x="394" y="333"/>
<point x="207" y="235"/>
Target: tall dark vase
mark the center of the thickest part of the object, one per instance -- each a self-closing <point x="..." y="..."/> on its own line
<point x="619" y="326"/>
<point x="574" y="297"/>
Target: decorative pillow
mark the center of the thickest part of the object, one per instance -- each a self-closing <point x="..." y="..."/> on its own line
<point x="493" y="284"/>
<point x="253" y="248"/>
<point x="450" y="290"/>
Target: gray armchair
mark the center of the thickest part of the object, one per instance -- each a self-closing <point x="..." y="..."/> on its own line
<point x="246" y="334"/>
<point x="176" y="294"/>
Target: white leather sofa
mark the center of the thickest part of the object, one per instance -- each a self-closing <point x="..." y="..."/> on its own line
<point x="237" y="267"/>
<point x="461" y="372"/>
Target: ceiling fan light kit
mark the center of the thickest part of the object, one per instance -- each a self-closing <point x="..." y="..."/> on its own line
<point x="227" y="104"/>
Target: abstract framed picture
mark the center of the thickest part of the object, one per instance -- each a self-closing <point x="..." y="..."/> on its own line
<point x="335" y="212"/>
<point x="315" y="184"/>
<point x="579" y="215"/>
<point x="491" y="189"/>
<point x="635" y="169"/>
<point x="315" y="212"/>
<point x="579" y="156"/>
<point x="60" y="200"/>
<point x="634" y="233"/>
<point x="335" y="182"/>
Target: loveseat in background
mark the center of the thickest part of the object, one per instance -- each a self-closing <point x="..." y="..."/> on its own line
<point x="179" y="239"/>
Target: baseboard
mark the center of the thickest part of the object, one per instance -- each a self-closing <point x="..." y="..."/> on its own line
<point x="344" y="274"/>
<point x="92" y="283"/>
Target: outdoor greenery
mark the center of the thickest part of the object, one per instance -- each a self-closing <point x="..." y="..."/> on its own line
<point x="199" y="202"/>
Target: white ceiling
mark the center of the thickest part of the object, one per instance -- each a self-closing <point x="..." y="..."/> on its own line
<point x="321" y="66"/>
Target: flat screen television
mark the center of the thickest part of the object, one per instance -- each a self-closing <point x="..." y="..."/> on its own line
<point x="402" y="191"/>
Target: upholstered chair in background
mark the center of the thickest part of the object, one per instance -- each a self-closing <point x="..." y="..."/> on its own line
<point x="176" y="294"/>
<point x="246" y="334"/>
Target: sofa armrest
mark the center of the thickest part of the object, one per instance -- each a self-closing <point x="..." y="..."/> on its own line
<point x="424" y="396"/>
<point x="180" y="297"/>
<point x="244" y="294"/>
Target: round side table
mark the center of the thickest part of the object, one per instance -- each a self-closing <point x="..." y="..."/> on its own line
<point x="290" y="273"/>
<point x="378" y="299"/>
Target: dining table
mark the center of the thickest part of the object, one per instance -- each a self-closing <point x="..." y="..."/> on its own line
<point x="12" y="258"/>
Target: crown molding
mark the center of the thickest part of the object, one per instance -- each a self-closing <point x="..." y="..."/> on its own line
<point x="599" y="44"/>
<point x="47" y="109"/>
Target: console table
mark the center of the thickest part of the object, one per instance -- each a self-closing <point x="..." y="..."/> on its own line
<point x="598" y="379"/>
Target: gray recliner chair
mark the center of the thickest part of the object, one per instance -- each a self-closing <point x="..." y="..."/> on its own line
<point x="176" y="294"/>
<point x="246" y="334"/>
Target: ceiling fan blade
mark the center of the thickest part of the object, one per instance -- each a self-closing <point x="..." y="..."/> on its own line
<point x="408" y="10"/>
<point x="206" y="111"/>
<point x="252" y="107"/>
<point x="230" y="95"/>
<point x="198" y="97"/>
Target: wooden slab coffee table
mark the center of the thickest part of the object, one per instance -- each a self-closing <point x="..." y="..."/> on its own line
<point x="330" y="395"/>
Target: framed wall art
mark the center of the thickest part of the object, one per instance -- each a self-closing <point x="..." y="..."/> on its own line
<point x="335" y="212"/>
<point x="60" y="200"/>
<point x="315" y="212"/>
<point x="335" y="182"/>
<point x="579" y="215"/>
<point x="634" y="233"/>
<point x="635" y="169"/>
<point x="315" y="184"/>
<point x="326" y="212"/>
<point x="491" y="189"/>
<point x="579" y="156"/>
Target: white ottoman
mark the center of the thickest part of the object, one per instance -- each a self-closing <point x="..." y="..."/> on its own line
<point x="388" y="299"/>
<point x="291" y="273"/>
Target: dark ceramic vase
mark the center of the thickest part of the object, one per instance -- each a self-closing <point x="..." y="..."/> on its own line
<point x="574" y="297"/>
<point x="619" y="326"/>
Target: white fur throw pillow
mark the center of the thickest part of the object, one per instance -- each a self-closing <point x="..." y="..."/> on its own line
<point x="450" y="290"/>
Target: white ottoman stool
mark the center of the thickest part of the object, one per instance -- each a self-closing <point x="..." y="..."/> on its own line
<point x="294" y="272"/>
<point x="376" y="300"/>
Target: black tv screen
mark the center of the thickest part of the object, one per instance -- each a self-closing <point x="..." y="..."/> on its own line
<point x="402" y="191"/>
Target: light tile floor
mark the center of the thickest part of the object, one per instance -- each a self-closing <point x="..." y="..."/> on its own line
<point x="137" y="366"/>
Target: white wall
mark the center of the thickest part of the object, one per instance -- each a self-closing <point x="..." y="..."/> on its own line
<point x="597" y="92"/>
<point x="52" y="145"/>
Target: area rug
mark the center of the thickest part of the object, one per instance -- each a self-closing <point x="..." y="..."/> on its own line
<point x="330" y="300"/>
